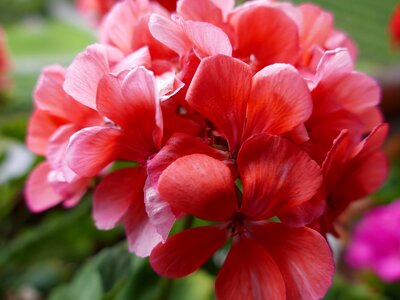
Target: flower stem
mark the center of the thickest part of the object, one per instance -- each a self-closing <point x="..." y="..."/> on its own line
<point x="167" y="283"/>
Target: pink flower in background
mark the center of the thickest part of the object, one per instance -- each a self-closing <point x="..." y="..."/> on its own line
<point x="5" y="61"/>
<point x="375" y="244"/>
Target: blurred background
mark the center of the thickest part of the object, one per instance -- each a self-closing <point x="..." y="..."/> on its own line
<point x="59" y="254"/>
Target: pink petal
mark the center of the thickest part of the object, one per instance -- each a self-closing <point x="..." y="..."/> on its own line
<point x="186" y="251"/>
<point x="221" y="97"/>
<point x="39" y="194"/>
<point x="303" y="257"/>
<point x="91" y="149"/>
<point x="201" y="186"/>
<point x="207" y="39"/>
<point x="200" y="11"/>
<point x="280" y="101"/>
<point x="142" y="235"/>
<point x="85" y="72"/>
<point x="132" y="102"/>
<point x="140" y="57"/>
<point x="270" y="42"/>
<point x="41" y="126"/>
<point x="170" y="34"/>
<point x="114" y="195"/>
<point x="249" y="273"/>
<point x="276" y="174"/>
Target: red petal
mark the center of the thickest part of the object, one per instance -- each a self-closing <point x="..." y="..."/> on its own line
<point x="280" y="101"/>
<point x="179" y="145"/>
<point x="132" y="102"/>
<point x="39" y="194"/>
<point x="201" y="186"/>
<point x="85" y="72"/>
<point x="276" y="174"/>
<point x="249" y="273"/>
<point x="303" y="257"/>
<point x="270" y="42"/>
<point x="91" y="149"/>
<point x="114" y="195"/>
<point x="221" y="97"/>
<point x="186" y="251"/>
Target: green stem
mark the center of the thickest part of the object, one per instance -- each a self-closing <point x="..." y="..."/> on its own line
<point x="167" y="283"/>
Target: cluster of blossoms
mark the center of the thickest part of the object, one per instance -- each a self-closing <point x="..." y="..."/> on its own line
<point x="250" y="118"/>
<point x="5" y="63"/>
<point x="376" y="240"/>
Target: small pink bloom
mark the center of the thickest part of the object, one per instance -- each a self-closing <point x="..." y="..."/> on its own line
<point x="375" y="242"/>
<point x="5" y="61"/>
<point x="394" y="25"/>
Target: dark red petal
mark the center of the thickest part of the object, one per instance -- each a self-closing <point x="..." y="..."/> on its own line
<point x="114" y="195"/>
<point x="280" y="101"/>
<point x="91" y="149"/>
<point x="221" y="97"/>
<point x="249" y="273"/>
<point x="186" y="251"/>
<point x="276" y="175"/>
<point x="303" y="257"/>
<point x="201" y="186"/>
<point x="270" y="42"/>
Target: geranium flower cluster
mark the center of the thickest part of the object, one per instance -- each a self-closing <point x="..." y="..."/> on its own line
<point x="375" y="243"/>
<point x="251" y="118"/>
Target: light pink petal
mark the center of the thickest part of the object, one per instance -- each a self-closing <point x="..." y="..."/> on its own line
<point x="115" y="194"/>
<point x="226" y="6"/>
<point x="186" y="251"/>
<point x="303" y="257"/>
<point x="221" y="97"/>
<point x="132" y="102"/>
<point x="276" y="175"/>
<point x="269" y="42"/>
<point x="85" y="72"/>
<point x="142" y="235"/>
<point x="39" y="194"/>
<point x="249" y="273"/>
<point x="201" y="11"/>
<point x="170" y="34"/>
<point x="168" y="85"/>
<point x="280" y="101"/>
<point x="91" y="149"/>
<point x="207" y="39"/>
<point x="140" y="57"/>
<point x="201" y="186"/>
<point x="118" y="26"/>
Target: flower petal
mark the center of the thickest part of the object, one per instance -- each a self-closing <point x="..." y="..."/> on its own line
<point x="142" y="235"/>
<point x="39" y="194"/>
<point x="114" y="195"/>
<point x="303" y="257"/>
<point x="201" y="186"/>
<point x="85" y="72"/>
<point x="186" y="251"/>
<point x="91" y="149"/>
<point x="277" y="175"/>
<point x="132" y="102"/>
<point x="280" y="101"/>
<point x="249" y="273"/>
<point x="270" y="42"/>
<point x="221" y="97"/>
